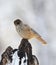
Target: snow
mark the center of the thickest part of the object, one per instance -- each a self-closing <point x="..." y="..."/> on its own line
<point x="40" y="15"/>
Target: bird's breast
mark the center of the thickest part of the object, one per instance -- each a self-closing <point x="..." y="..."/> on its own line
<point x="25" y="33"/>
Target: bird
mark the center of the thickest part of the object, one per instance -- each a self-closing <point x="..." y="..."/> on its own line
<point x="26" y="32"/>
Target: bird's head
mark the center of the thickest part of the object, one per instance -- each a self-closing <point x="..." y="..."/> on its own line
<point x="17" y="22"/>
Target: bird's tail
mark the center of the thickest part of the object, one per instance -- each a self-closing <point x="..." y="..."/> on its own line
<point x="41" y="40"/>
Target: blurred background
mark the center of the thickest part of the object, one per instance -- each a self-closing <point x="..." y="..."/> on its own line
<point x="40" y="15"/>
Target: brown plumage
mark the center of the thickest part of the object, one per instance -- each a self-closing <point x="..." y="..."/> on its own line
<point x="26" y="31"/>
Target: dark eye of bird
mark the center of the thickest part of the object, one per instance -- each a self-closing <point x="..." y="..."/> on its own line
<point x="18" y="22"/>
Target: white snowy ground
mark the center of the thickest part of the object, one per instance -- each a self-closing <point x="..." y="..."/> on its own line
<point x="40" y="15"/>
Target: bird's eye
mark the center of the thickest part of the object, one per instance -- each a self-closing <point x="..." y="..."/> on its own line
<point x="18" y="22"/>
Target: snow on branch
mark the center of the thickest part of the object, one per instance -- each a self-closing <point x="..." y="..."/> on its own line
<point x="20" y="56"/>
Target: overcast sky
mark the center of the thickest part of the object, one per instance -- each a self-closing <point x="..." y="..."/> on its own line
<point x="40" y="15"/>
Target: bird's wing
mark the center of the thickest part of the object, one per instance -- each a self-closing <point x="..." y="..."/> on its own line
<point x="30" y="29"/>
<point x="35" y="32"/>
<point x="27" y="27"/>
